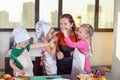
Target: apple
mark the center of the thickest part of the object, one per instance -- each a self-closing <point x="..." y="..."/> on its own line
<point x="0" y="76"/>
<point x="10" y="78"/>
<point x="5" y="76"/>
<point x="2" y="79"/>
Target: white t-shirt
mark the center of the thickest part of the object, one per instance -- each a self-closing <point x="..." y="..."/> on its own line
<point x="50" y="63"/>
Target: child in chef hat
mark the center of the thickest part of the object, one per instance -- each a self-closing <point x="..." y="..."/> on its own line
<point x="45" y="32"/>
<point x="20" y="59"/>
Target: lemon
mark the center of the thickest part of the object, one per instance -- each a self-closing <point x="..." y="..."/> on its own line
<point x="5" y="76"/>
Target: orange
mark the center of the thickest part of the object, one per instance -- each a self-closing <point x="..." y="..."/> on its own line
<point x="102" y="78"/>
<point x="95" y="78"/>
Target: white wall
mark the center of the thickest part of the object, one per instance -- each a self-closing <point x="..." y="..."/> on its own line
<point x="102" y="47"/>
<point x="116" y="50"/>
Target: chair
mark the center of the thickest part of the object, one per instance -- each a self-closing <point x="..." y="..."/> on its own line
<point x="37" y="69"/>
<point x="8" y="69"/>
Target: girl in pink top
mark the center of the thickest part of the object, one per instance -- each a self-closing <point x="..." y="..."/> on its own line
<point x="85" y="33"/>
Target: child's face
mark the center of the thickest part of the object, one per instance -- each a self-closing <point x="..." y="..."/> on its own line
<point x="51" y="34"/>
<point x="64" y="23"/>
<point x="24" y="44"/>
<point x="82" y="34"/>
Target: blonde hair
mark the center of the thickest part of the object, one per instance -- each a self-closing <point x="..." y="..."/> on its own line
<point x="89" y="30"/>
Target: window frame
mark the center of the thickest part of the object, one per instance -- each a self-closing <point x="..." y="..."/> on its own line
<point x="36" y="19"/>
<point x="96" y="17"/>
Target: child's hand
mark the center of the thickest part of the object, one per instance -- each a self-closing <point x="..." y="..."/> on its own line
<point x="53" y="40"/>
<point x="21" y="72"/>
<point x="88" y="54"/>
<point x="64" y="31"/>
<point x="52" y="45"/>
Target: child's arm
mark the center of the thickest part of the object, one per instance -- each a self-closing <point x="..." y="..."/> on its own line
<point x="13" y="66"/>
<point x="68" y="40"/>
<point x="82" y="45"/>
<point x="88" y="54"/>
<point x="38" y="45"/>
<point x="53" y="49"/>
<point x="72" y="44"/>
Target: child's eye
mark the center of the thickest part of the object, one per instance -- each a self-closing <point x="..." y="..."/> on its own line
<point x="65" y="23"/>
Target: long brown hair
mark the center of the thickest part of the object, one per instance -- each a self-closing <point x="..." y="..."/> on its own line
<point x="70" y="18"/>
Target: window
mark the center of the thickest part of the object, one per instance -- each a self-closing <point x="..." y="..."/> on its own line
<point x="82" y="10"/>
<point x="26" y="13"/>
<point x="17" y="13"/>
<point x="48" y="11"/>
<point x="106" y="10"/>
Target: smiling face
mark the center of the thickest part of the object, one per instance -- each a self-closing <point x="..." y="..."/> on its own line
<point x="23" y="44"/>
<point x="64" y="23"/>
<point x="85" y="31"/>
<point x="50" y="34"/>
<point x="67" y="22"/>
<point x="82" y="33"/>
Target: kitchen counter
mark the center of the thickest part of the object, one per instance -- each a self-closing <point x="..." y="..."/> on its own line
<point x="69" y="77"/>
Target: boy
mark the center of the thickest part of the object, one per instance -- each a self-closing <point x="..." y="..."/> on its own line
<point x="20" y="59"/>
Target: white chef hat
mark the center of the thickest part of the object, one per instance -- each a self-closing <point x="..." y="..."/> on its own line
<point x="42" y="29"/>
<point x="20" y="34"/>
